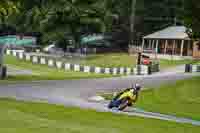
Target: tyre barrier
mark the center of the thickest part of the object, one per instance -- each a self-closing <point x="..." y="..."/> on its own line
<point x="154" y="68"/>
<point x="3" y="72"/>
<point x="190" y="68"/>
<point x="56" y="63"/>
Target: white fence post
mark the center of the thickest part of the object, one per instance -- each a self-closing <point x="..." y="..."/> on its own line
<point x="50" y="63"/>
<point x="121" y="70"/>
<point x="107" y="70"/>
<point x="128" y="71"/>
<point x="97" y="70"/>
<point x="21" y="55"/>
<point x="194" y="68"/>
<point x="86" y="69"/>
<point x="8" y="52"/>
<point x="77" y="68"/>
<point x="59" y="64"/>
<point x="67" y="66"/>
<point x="27" y="57"/>
<point x="43" y="61"/>
<point x="35" y="59"/>
<point x="14" y="53"/>
<point x="114" y="71"/>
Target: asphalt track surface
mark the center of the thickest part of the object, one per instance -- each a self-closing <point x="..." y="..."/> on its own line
<point x="17" y="71"/>
<point x="77" y="92"/>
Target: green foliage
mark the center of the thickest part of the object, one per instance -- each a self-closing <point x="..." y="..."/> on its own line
<point x="192" y="18"/>
<point x="56" y="18"/>
<point x="51" y="17"/>
<point x="8" y="8"/>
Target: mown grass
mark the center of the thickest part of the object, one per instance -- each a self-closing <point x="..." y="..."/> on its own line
<point x="197" y="62"/>
<point x="124" y="60"/>
<point x="24" y="117"/>
<point x="181" y="99"/>
<point x="43" y="72"/>
<point x="110" y="60"/>
<point x="171" y="63"/>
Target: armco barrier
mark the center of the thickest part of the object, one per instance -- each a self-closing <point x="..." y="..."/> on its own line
<point x="51" y="62"/>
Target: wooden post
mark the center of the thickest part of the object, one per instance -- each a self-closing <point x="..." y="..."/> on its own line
<point x="166" y="44"/>
<point x="182" y="46"/>
<point x="157" y="46"/>
<point x="173" y="47"/>
<point x="143" y="41"/>
<point x="149" y="44"/>
<point x="156" y="50"/>
<point x="153" y="44"/>
<point x="188" y="48"/>
<point x="152" y="47"/>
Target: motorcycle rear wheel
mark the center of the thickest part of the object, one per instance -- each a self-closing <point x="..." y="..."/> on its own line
<point x="123" y="104"/>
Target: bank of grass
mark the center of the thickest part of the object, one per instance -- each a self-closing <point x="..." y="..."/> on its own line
<point x="43" y="72"/>
<point x="181" y="99"/>
<point x="197" y="62"/>
<point x="24" y="117"/>
<point x="125" y="60"/>
<point x="110" y="60"/>
<point x="172" y="63"/>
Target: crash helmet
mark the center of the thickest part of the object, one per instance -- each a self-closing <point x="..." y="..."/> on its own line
<point x="137" y="87"/>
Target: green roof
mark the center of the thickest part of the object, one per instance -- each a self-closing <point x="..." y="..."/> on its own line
<point x="91" y="38"/>
<point x="16" y="40"/>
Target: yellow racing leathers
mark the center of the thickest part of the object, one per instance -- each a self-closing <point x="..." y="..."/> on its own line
<point x="129" y="94"/>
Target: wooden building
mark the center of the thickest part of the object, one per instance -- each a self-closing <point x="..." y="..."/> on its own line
<point x="171" y="41"/>
<point x="196" y="49"/>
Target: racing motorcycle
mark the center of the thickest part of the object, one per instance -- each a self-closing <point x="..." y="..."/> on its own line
<point x="118" y="104"/>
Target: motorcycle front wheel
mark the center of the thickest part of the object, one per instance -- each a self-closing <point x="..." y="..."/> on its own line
<point x="110" y="105"/>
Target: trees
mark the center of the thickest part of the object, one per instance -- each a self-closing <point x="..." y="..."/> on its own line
<point x="8" y="8"/>
<point x="192" y="18"/>
<point x="56" y="18"/>
<point x="132" y="21"/>
<point x="161" y="13"/>
<point x="150" y="15"/>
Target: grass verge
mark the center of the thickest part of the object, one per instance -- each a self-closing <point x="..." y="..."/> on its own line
<point x="110" y="60"/>
<point x="23" y="117"/>
<point x="172" y="63"/>
<point x="181" y="99"/>
<point x="43" y="72"/>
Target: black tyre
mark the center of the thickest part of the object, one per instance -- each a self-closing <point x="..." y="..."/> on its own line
<point x="4" y="72"/>
<point x="123" y="104"/>
<point x="110" y="105"/>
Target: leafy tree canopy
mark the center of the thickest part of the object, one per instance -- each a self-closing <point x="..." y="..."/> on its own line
<point x="56" y="19"/>
<point x="192" y="18"/>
